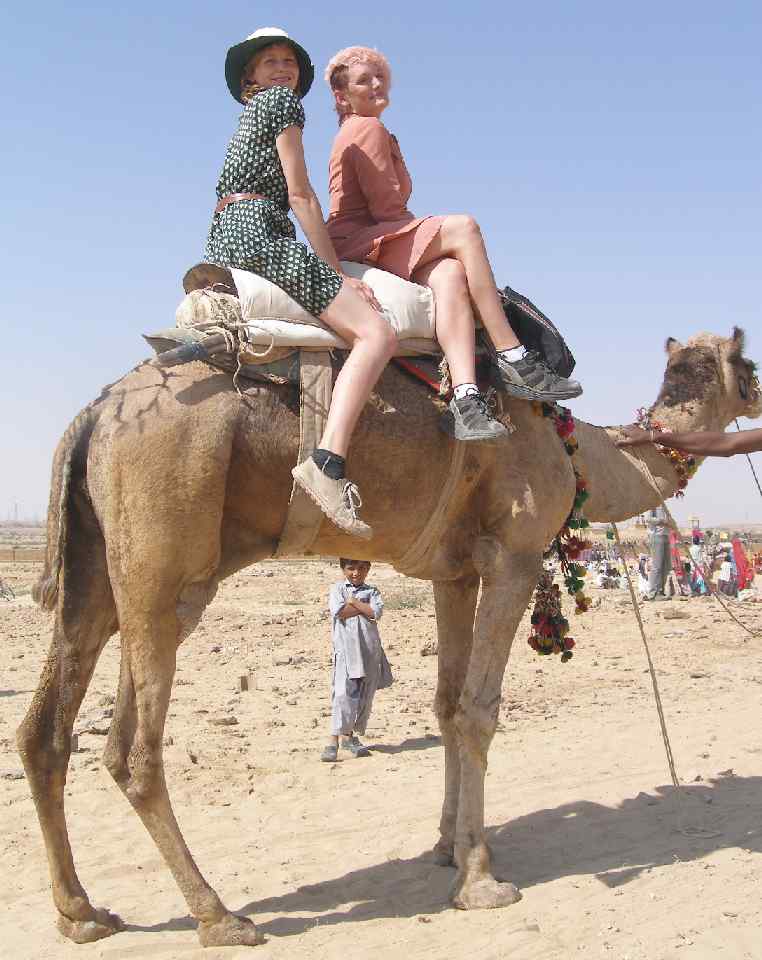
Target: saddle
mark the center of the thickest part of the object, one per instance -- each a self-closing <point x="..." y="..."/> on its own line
<point x="276" y="328"/>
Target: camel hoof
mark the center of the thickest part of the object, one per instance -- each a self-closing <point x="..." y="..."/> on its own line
<point x="101" y="924"/>
<point x="231" y="931"/>
<point x="443" y="854"/>
<point x="485" y="894"/>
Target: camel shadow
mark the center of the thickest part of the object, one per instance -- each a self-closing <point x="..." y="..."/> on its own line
<point x="412" y="743"/>
<point x="614" y="844"/>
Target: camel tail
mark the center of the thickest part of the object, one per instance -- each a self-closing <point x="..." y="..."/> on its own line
<point x="45" y="591"/>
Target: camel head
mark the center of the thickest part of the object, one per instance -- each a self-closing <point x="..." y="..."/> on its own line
<point x="709" y="381"/>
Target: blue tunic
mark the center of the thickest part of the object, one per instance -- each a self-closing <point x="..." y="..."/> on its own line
<point x="357" y="658"/>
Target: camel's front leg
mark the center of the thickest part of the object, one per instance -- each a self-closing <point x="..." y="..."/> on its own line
<point x="507" y="584"/>
<point x="455" y="603"/>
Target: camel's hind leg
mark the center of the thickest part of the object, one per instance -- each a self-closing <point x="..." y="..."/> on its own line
<point x="85" y="618"/>
<point x="134" y="758"/>
<point x="455" y="603"/>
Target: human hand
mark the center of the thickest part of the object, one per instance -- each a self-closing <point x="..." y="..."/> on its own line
<point x="635" y="436"/>
<point x="359" y="286"/>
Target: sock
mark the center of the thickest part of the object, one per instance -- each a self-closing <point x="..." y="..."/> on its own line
<point x="514" y="354"/>
<point x="331" y="464"/>
<point x="465" y="390"/>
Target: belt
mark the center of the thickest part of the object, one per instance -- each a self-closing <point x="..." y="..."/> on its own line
<point x="235" y="197"/>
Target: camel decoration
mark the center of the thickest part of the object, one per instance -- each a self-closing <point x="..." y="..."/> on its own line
<point x="169" y="482"/>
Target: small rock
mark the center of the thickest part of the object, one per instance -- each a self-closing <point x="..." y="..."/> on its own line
<point x="281" y="660"/>
<point x="230" y="721"/>
<point x="430" y="649"/>
<point x="672" y="613"/>
<point x="423" y="919"/>
<point x="192" y="755"/>
<point x="216" y="648"/>
<point x="168" y="741"/>
<point x="12" y="775"/>
<point x="98" y="730"/>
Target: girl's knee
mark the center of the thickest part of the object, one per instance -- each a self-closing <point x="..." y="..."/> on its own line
<point x="386" y="339"/>
<point x="465" y="227"/>
<point x="451" y="276"/>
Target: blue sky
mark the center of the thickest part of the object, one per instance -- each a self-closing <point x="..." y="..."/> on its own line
<point x="610" y="152"/>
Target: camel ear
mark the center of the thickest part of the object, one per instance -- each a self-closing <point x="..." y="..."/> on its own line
<point x="672" y="346"/>
<point x="738" y="336"/>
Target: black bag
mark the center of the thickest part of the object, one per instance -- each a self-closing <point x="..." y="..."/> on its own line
<point x="536" y="332"/>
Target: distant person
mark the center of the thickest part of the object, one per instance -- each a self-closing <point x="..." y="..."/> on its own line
<point x="661" y="561"/>
<point x="698" y="442"/>
<point x="643" y="570"/>
<point x="696" y="551"/>
<point x="360" y="666"/>
<point x="726" y="581"/>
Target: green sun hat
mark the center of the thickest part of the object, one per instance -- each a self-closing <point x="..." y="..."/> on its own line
<point x="239" y="55"/>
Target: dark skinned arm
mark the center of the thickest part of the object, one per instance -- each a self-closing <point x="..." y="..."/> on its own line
<point x="698" y="442"/>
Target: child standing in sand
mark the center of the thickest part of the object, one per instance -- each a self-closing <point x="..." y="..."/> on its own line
<point x="360" y="666"/>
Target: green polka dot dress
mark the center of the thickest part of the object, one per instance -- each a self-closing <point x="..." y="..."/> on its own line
<point x="257" y="235"/>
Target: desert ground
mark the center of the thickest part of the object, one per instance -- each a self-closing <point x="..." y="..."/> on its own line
<point x="333" y="860"/>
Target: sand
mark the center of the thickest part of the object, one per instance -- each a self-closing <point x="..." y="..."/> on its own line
<point x="332" y="861"/>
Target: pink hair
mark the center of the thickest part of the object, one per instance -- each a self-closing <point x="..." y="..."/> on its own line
<point x="338" y="65"/>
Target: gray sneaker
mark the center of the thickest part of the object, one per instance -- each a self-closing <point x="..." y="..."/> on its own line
<point x="355" y="747"/>
<point x="338" y="499"/>
<point x="531" y="379"/>
<point x="470" y="419"/>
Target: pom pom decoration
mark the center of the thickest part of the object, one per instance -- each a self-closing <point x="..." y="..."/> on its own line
<point x="683" y="464"/>
<point x="550" y="629"/>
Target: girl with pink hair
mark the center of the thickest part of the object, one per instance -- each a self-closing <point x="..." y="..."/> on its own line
<point x="369" y="221"/>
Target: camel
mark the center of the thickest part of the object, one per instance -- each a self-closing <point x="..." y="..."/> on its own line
<point x="170" y="481"/>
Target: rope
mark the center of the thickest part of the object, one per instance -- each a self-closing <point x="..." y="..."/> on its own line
<point x="751" y="465"/>
<point x="654" y="682"/>
<point x="687" y="831"/>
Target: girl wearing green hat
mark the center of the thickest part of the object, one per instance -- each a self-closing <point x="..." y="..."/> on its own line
<point x="263" y="176"/>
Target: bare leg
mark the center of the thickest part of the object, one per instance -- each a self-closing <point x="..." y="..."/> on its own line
<point x="455" y="318"/>
<point x="85" y="619"/>
<point x="373" y="344"/>
<point x="455" y="605"/>
<point x="507" y="583"/>
<point x="461" y="238"/>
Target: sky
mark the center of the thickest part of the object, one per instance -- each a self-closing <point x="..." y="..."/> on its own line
<point x="610" y="153"/>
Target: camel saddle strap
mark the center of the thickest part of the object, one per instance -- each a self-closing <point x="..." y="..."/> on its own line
<point x="304" y="518"/>
<point x="234" y="198"/>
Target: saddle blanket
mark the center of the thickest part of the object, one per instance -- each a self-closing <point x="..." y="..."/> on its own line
<point x="274" y="319"/>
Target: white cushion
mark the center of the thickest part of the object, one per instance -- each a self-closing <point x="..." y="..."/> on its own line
<point x="270" y="312"/>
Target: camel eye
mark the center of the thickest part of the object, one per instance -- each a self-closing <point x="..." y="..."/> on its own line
<point x="743" y="388"/>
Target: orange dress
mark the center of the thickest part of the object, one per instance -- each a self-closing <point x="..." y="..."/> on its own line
<point x="369" y="186"/>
